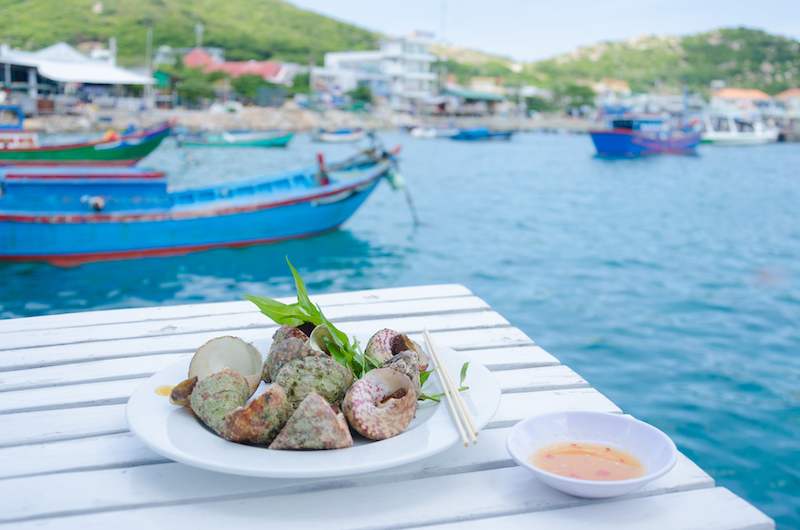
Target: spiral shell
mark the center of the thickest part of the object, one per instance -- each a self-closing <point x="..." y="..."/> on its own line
<point x="381" y="404"/>
<point x="387" y="343"/>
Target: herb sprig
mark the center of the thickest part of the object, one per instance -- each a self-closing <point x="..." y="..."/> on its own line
<point x="343" y="351"/>
<point x="436" y="397"/>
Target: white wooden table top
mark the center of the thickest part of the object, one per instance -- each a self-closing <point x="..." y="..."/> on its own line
<point x="67" y="459"/>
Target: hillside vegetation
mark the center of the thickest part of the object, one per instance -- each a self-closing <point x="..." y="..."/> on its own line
<point x="741" y="57"/>
<point x="246" y="29"/>
<point x="272" y="29"/>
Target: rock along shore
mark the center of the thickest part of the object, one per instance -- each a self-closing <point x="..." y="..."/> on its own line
<point x="288" y="117"/>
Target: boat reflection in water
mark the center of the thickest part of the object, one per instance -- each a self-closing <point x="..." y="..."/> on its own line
<point x="68" y="216"/>
<point x="330" y="262"/>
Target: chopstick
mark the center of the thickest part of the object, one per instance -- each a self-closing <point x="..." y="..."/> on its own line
<point x="458" y="409"/>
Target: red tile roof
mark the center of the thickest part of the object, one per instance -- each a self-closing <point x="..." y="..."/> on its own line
<point x="265" y="69"/>
<point x="741" y="93"/>
<point x="197" y="57"/>
<point x="789" y="94"/>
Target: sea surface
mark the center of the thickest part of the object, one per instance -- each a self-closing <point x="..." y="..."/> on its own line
<point x="671" y="283"/>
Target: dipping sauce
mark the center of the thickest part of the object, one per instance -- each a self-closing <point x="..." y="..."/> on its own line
<point x="588" y="461"/>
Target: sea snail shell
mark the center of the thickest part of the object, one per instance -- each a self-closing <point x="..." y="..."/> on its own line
<point x="381" y="404"/>
<point x="387" y="343"/>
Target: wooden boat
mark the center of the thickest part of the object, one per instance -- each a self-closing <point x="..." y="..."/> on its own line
<point x="737" y="130"/>
<point x="21" y="147"/>
<point x="236" y="139"/>
<point x="648" y="135"/>
<point x="70" y="215"/>
<point x="339" y="135"/>
<point x="434" y="132"/>
<point x="482" y="134"/>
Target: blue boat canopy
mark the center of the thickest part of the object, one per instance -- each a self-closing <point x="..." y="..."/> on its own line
<point x="11" y="118"/>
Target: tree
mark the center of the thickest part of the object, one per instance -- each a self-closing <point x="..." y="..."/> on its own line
<point x="248" y="84"/>
<point x="577" y="96"/>
<point x="362" y="94"/>
<point x="301" y="84"/>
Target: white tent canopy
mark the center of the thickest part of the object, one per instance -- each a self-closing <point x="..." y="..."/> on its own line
<point x="63" y="63"/>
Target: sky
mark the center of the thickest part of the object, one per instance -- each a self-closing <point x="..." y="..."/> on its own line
<point x="533" y="30"/>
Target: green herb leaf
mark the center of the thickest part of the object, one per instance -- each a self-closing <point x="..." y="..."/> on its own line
<point x="463" y="373"/>
<point x="423" y="376"/>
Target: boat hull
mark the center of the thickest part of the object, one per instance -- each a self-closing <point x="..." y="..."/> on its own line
<point x="125" y="151"/>
<point x="335" y="138"/>
<point x="234" y="141"/>
<point x="740" y="139"/>
<point x="69" y="240"/>
<point x="626" y="143"/>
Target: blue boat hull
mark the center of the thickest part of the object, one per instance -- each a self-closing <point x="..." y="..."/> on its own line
<point x="482" y="134"/>
<point x="630" y="144"/>
<point x="194" y="220"/>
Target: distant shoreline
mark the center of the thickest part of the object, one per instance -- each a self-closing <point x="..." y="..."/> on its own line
<point x="289" y="117"/>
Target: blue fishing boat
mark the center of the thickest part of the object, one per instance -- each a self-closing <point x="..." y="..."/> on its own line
<point x="482" y="134"/>
<point x="636" y="136"/>
<point x="72" y="215"/>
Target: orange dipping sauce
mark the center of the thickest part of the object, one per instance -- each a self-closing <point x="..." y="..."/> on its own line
<point x="588" y="461"/>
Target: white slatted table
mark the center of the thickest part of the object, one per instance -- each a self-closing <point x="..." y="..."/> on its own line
<point x="67" y="459"/>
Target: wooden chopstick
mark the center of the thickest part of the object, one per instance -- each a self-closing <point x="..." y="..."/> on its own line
<point x="458" y="409"/>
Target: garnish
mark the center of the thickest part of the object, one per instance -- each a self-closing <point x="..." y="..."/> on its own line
<point x="435" y="397"/>
<point x="341" y="349"/>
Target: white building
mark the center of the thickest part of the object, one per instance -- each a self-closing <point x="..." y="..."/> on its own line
<point x="400" y="72"/>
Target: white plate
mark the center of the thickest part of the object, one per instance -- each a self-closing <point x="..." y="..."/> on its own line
<point x="174" y="432"/>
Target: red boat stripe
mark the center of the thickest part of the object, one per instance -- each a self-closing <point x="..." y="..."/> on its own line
<point x="72" y="260"/>
<point x="148" y="175"/>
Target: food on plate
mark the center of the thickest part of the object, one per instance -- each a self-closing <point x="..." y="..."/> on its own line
<point x="179" y="395"/>
<point x="259" y="421"/>
<point x="280" y="353"/>
<point x="381" y="404"/>
<point x="230" y="353"/>
<point x="322" y="375"/>
<point x="311" y="368"/>
<point x="220" y="401"/>
<point x="217" y="395"/>
<point x="314" y="425"/>
<point x="407" y="362"/>
<point x="387" y="343"/>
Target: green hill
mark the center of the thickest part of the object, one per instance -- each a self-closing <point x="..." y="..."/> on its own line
<point x="246" y="29"/>
<point x="741" y="57"/>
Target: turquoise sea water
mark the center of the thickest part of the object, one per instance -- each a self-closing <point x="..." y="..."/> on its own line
<point x="672" y="284"/>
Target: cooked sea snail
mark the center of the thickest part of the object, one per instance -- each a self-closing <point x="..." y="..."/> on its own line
<point x="387" y="343"/>
<point x="381" y="404"/>
<point x="230" y="353"/>
<point x="219" y="400"/>
<point x="299" y="409"/>
<point x="314" y="425"/>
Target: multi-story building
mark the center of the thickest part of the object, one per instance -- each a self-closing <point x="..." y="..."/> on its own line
<point x="400" y="71"/>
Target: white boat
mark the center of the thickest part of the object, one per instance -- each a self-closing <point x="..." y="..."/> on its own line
<point x="434" y="132"/>
<point x="732" y="130"/>
<point x="339" y="135"/>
